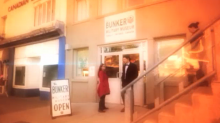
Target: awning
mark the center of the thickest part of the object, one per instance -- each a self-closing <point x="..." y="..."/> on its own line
<point x="43" y="33"/>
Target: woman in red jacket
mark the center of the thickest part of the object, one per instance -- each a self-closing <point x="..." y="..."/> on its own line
<point x="103" y="87"/>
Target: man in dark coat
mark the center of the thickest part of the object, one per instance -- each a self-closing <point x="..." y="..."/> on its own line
<point x="130" y="72"/>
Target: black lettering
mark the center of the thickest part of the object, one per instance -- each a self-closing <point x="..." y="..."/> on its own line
<point x="67" y="106"/>
<point x="55" y="107"/>
<point x="60" y="106"/>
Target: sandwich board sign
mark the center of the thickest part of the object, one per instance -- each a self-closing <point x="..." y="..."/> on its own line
<point x="60" y="98"/>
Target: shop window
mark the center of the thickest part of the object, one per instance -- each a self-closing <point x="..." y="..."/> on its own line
<point x="82" y="9"/>
<point x="44" y="12"/>
<point x="132" y="3"/>
<point x="20" y="75"/>
<point x="174" y="62"/>
<point x="81" y="60"/>
<point x="50" y="72"/>
<point x="107" y="6"/>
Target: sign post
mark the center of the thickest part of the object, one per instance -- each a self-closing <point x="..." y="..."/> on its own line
<point x="60" y="98"/>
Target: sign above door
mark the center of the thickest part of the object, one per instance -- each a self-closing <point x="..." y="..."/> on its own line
<point x="120" y="27"/>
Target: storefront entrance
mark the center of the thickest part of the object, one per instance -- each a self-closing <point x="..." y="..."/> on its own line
<point x="112" y="57"/>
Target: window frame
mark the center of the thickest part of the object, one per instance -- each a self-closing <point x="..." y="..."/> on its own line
<point x="74" y="74"/>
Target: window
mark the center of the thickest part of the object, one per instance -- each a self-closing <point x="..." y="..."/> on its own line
<point x="82" y="9"/>
<point x="108" y="6"/>
<point x="50" y="72"/>
<point x="81" y="60"/>
<point x="175" y="61"/>
<point x="20" y="75"/>
<point x="131" y="3"/>
<point x="44" y="12"/>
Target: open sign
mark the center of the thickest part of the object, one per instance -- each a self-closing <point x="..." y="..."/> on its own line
<point x="60" y="98"/>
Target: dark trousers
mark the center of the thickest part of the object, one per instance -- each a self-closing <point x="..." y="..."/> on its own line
<point x="199" y="75"/>
<point x="102" y="103"/>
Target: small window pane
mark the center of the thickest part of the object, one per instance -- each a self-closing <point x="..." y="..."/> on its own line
<point x="40" y="15"/>
<point x="82" y="62"/>
<point x="20" y="75"/>
<point x="44" y="13"/>
<point x="48" y="11"/>
<point x="112" y="49"/>
<point x="53" y="9"/>
<point x="50" y="72"/>
<point x="36" y="16"/>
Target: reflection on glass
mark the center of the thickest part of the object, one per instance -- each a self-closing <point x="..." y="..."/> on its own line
<point x="131" y="46"/>
<point x="134" y="58"/>
<point x="49" y="74"/>
<point x="112" y="65"/>
<point x="82" y="62"/>
<point x="112" y="49"/>
<point x="120" y="48"/>
<point x="19" y="75"/>
<point x="174" y="62"/>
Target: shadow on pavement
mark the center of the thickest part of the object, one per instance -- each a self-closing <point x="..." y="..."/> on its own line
<point x="14" y="104"/>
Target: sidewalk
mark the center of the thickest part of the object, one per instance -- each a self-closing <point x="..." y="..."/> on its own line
<point x="33" y="110"/>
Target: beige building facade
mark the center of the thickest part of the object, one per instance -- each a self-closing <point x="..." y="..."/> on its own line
<point x="102" y="31"/>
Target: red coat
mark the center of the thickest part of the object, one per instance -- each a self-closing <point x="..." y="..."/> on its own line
<point x="103" y="88"/>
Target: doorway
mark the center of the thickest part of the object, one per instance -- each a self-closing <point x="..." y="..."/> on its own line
<point x="112" y="57"/>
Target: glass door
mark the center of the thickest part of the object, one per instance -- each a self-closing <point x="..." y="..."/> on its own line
<point x="112" y="57"/>
<point x="113" y="70"/>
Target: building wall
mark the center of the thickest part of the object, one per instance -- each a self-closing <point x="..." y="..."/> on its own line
<point x="161" y="19"/>
<point x="21" y="20"/>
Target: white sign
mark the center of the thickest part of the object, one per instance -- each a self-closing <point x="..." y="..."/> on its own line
<point x="60" y="98"/>
<point x="92" y="71"/>
<point x="120" y="27"/>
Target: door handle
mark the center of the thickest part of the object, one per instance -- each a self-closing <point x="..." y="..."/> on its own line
<point x="118" y="74"/>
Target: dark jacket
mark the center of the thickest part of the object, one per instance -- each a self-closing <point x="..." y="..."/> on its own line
<point x="131" y="74"/>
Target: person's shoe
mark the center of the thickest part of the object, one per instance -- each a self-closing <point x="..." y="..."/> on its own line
<point x="101" y="111"/>
<point x="123" y="110"/>
<point x="105" y="108"/>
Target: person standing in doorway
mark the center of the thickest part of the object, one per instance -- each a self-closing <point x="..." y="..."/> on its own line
<point x="103" y="88"/>
<point x="130" y="72"/>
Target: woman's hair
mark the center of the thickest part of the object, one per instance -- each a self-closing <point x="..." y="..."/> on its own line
<point x="100" y="68"/>
<point x="194" y="25"/>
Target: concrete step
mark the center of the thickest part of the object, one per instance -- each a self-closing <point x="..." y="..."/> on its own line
<point x="216" y="99"/>
<point x="202" y="100"/>
<point x="152" y="119"/>
<point x="167" y="117"/>
<point x="184" y="109"/>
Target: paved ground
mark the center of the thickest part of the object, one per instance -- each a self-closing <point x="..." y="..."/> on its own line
<point x="34" y="110"/>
